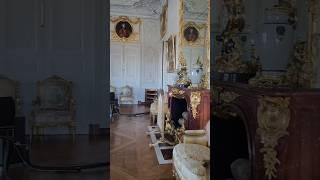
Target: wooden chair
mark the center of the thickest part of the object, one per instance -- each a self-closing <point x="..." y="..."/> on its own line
<point x="54" y="106"/>
<point x="10" y="88"/>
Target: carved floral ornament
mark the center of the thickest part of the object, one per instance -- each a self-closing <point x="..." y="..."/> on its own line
<point x="228" y="96"/>
<point x="195" y="100"/>
<point x="273" y="116"/>
<point x="177" y="93"/>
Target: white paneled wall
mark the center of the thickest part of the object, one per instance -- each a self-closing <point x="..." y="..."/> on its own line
<point x="138" y="64"/>
<point x="71" y="44"/>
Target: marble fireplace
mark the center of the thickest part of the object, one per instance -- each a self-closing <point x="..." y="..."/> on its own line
<point x="276" y="129"/>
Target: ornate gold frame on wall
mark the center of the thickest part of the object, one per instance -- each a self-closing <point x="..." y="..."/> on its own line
<point x="181" y="59"/>
<point x="201" y="27"/>
<point x="164" y="19"/>
<point x="135" y="24"/>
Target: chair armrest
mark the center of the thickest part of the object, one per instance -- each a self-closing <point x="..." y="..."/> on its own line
<point x="195" y="132"/>
<point x="201" y="140"/>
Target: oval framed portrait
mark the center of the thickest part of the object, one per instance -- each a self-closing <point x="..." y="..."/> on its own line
<point x="191" y="34"/>
<point x="123" y="29"/>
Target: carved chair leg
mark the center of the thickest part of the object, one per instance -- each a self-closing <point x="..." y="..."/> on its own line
<point x="37" y="132"/>
<point x="72" y="131"/>
<point x="41" y="131"/>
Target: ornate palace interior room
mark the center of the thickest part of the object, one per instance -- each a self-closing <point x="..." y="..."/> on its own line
<point x="263" y="61"/>
<point x="126" y="89"/>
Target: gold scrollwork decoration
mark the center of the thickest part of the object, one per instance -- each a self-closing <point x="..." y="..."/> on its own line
<point x="135" y="24"/>
<point x="195" y="100"/>
<point x="273" y="116"/>
<point x="228" y="96"/>
<point x="201" y="28"/>
<point x="177" y="93"/>
<point x="131" y="20"/>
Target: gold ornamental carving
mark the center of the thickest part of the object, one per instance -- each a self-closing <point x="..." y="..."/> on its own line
<point x="177" y="93"/>
<point x="273" y="116"/>
<point x="195" y="100"/>
<point x="228" y="96"/>
<point x="201" y="28"/>
<point x="135" y="24"/>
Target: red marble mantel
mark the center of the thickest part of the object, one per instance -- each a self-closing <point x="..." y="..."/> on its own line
<point x="203" y="109"/>
<point x="299" y="152"/>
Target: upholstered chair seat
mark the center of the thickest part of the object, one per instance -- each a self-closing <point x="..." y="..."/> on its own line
<point x="126" y="95"/>
<point x="52" y="118"/>
<point x="154" y="110"/>
<point x="191" y="159"/>
<point x="54" y="106"/>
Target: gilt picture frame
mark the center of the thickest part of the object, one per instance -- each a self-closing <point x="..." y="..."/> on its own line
<point x="171" y="54"/>
<point x="164" y="19"/>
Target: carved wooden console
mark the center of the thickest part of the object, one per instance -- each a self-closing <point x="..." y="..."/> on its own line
<point x="197" y="104"/>
<point x="283" y="127"/>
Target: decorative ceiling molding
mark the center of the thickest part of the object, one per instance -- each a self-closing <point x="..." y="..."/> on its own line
<point x="195" y="9"/>
<point x="140" y="8"/>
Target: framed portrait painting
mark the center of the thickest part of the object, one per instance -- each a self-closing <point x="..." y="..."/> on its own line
<point x="171" y="54"/>
<point x="125" y="29"/>
<point x="194" y="34"/>
<point x="163" y="19"/>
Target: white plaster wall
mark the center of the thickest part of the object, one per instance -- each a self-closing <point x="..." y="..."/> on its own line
<point x="172" y="29"/>
<point x="149" y="64"/>
<point x="72" y="45"/>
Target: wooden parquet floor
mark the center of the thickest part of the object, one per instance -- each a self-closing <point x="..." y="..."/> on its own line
<point x="131" y="157"/>
<point x="59" y="150"/>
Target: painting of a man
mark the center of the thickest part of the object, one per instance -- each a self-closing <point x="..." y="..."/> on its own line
<point x="123" y="29"/>
<point x="191" y="34"/>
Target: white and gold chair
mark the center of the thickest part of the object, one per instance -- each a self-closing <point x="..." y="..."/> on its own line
<point x="54" y="106"/>
<point x="154" y="111"/>
<point x="162" y="113"/>
<point x="126" y="95"/>
<point x="10" y="88"/>
<point x="191" y="159"/>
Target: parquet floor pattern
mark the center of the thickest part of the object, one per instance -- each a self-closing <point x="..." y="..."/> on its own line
<point x="131" y="157"/>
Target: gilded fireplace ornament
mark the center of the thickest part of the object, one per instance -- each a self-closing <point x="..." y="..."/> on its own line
<point x="195" y="100"/>
<point x="183" y="78"/>
<point x="177" y="93"/>
<point x="228" y="96"/>
<point x="125" y="29"/>
<point x="273" y="116"/>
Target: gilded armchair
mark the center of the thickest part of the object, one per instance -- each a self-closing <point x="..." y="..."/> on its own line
<point x="54" y="106"/>
<point x="191" y="159"/>
<point x="10" y="88"/>
<point x="126" y="95"/>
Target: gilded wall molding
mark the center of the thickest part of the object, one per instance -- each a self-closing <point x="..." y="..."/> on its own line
<point x="135" y="24"/>
<point x="273" y="116"/>
<point x="195" y="100"/>
<point x="201" y="28"/>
